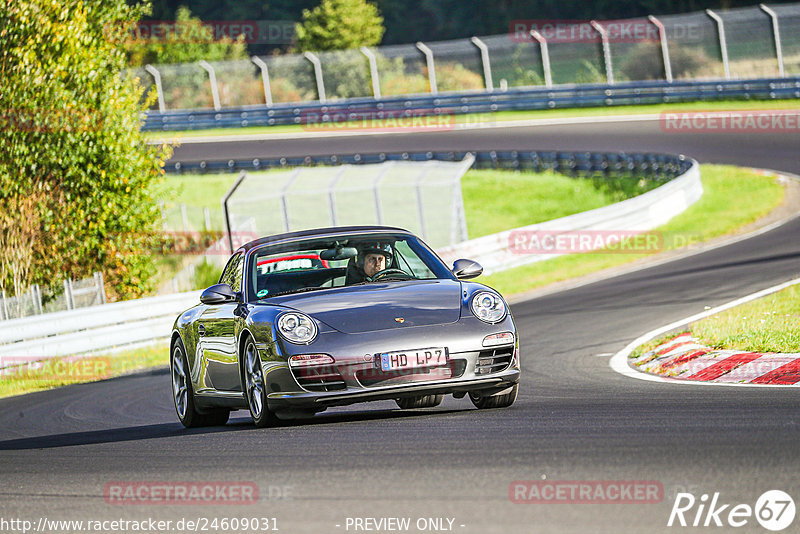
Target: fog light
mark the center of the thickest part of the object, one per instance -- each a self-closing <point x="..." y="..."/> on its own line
<point x="307" y="360"/>
<point x="503" y="338"/>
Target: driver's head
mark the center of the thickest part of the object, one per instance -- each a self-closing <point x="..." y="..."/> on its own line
<point x="374" y="257"/>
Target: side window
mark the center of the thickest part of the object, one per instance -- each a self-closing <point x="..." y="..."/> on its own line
<point x="232" y="275"/>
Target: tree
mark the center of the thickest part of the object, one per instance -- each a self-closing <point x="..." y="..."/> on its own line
<point x="185" y="41"/>
<point x="72" y="143"/>
<point x="339" y="25"/>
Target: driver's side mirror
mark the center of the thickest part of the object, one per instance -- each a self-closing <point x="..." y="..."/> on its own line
<point x="218" y="294"/>
<point x="466" y="269"/>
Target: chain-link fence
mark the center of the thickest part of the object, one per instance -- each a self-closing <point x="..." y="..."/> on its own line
<point x="423" y="197"/>
<point x="748" y="42"/>
<point x="35" y="301"/>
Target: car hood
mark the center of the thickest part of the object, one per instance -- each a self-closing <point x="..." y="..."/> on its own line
<point x="381" y="306"/>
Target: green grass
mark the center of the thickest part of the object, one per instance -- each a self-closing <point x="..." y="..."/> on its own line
<point x="502" y="116"/>
<point x="490" y="207"/>
<point x="769" y="324"/>
<point x="63" y="371"/>
<point x="732" y="198"/>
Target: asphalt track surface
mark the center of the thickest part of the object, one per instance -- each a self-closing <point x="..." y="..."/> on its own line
<point x="575" y="418"/>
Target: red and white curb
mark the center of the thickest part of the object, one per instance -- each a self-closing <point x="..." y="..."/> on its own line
<point x="721" y="368"/>
<point x="682" y="357"/>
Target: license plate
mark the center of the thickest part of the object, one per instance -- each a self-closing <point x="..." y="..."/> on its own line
<point x="412" y="359"/>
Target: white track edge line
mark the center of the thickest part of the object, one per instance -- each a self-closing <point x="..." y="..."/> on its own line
<point x="619" y="362"/>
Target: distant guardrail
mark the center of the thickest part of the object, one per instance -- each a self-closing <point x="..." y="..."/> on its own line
<point x="571" y="163"/>
<point x="315" y="116"/>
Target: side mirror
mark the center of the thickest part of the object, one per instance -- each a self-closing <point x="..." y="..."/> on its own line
<point x="218" y="294"/>
<point x="466" y="269"/>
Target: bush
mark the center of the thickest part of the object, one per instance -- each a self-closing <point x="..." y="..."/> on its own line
<point x="455" y="77"/>
<point x="71" y="138"/>
<point x="645" y="62"/>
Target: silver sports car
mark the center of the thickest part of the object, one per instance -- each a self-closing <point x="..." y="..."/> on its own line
<point x="306" y="320"/>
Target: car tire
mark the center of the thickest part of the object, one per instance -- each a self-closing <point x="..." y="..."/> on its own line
<point x="253" y="386"/>
<point x="423" y="401"/>
<point x="503" y="400"/>
<point x="183" y="393"/>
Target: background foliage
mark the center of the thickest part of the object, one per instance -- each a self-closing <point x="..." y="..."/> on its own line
<point x="71" y="141"/>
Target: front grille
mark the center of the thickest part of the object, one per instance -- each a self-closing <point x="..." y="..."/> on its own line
<point x="374" y="377"/>
<point x="325" y="378"/>
<point x="493" y="361"/>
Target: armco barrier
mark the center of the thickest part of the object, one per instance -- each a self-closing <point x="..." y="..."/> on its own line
<point x="571" y="163"/>
<point x="314" y="114"/>
<point x="115" y="325"/>
<point x="644" y="212"/>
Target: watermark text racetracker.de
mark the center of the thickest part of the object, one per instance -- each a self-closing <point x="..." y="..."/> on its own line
<point x="586" y="492"/>
<point x="752" y="121"/>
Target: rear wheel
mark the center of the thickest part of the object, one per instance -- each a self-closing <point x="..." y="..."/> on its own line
<point x="254" y="386"/>
<point x="423" y="401"/>
<point x="499" y="400"/>
<point x="183" y="396"/>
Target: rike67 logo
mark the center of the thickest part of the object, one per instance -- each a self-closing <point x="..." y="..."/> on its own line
<point x="774" y="510"/>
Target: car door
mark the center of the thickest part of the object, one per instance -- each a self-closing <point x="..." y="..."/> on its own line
<point x="216" y="330"/>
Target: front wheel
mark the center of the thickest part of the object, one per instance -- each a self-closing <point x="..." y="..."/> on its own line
<point x="183" y="396"/>
<point x="500" y="400"/>
<point x="254" y="387"/>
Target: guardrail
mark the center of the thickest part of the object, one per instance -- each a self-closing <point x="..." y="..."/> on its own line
<point x="315" y="115"/>
<point x="572" y="163"/>
<point x="117" y="325"/>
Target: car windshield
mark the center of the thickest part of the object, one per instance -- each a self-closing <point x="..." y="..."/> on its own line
<point x="339" y="261"/>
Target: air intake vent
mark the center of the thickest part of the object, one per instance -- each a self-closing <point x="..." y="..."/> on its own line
<point x="323" y="378"/>
<point x="493" y="361"/>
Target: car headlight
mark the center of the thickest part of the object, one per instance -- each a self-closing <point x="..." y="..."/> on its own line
<point x="297" y="328"/>
<point x="488" y="307"/>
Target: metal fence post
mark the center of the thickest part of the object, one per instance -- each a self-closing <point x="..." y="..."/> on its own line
<point x="776" y="32"/>
<point x="317" y="74"/>
<point x="548" y="77"/>
<point x="264" y="78"/>
<point x="207" y="218"/>
<point x="159" y="89"/>
<point x="212" y="77"/>
<point x="68" y="293"/>
<point x="418" y="194"/>
<point x="101" y="287"/>
<point x="664" y="47"/>
<point x="606" y="50"/>
<point x="722" y="42"/>
<point x="224" y="201"/>
<point x="373" y="71"/>
<point x="487" y="66"/>
<point x="284" y="203"/>
<point x="184" y="218"/>
<point x="431" y="67"/>
<point x="331" y="194"/>
<point x="376" y="195"/>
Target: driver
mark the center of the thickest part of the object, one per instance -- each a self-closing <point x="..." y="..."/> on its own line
<point x="372" y="258"/>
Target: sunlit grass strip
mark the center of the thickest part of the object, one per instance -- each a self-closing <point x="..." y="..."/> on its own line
<point x="769" y="324"/>
<point x="733" y="197"/>
<point x="55" y="372"/>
